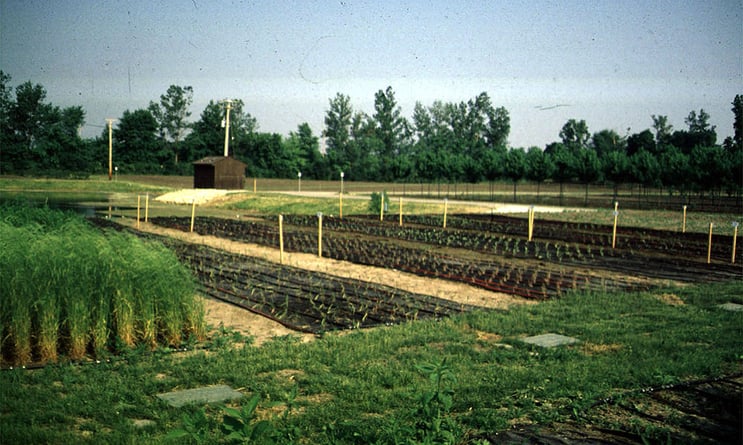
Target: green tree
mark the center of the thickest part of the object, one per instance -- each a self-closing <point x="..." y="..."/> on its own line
<point x="338" y="132"/>
<point x="171" y="115"/>
<point x="643" y="141"/>
<point x="391" y="130"/>
<point x="607" y="141"/>
<point x="662" y="129"/>
<point x="565" y="164"/>
<point x="574" y="134"/>
<point x="616" y="168"/>
<point x="306" y="145"/>
<point x="587" y="168"/>
<point x="137" y="148"/>
<point x="515" y="167"/>
<point x="539" y="166"/>
<point x="675" y="172"/>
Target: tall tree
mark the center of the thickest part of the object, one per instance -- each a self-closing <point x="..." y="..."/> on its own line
<point x="306" y="145"/>
<point x="338" y="132"/>
<point x="392" y="130"/>
<point x="607" y="141"/>
<point x="515" y="167"/>
<point x="539" y="166"/>
<point x="136" y="141"/>
<point x="662" y="129"/>
<point x="574" y="134"/>
<point x="171" y="115"/>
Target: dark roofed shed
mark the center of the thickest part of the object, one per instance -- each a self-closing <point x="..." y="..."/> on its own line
<point x="218" y="172"/>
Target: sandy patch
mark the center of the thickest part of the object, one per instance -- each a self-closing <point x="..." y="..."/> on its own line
<point x="199" y="196"/>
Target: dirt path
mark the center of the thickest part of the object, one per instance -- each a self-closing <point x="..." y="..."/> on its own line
<point x="262" y="329"/>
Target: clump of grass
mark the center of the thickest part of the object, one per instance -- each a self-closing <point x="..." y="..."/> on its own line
<point x="69" y="289"/>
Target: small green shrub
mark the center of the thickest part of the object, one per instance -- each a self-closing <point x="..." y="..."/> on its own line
<point x="377" y="200"/>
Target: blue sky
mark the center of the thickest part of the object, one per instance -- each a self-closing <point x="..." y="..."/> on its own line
<point x="612" y="63"/>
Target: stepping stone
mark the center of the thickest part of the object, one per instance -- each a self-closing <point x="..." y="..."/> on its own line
<point x="206" y="394"/>
<point x="550" y="340"/>
<point x="731" y="307"/>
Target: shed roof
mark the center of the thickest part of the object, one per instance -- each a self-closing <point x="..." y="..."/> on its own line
<point x="213" y="160"/>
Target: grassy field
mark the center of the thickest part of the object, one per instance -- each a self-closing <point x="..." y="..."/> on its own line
<point x="420" y="382"/>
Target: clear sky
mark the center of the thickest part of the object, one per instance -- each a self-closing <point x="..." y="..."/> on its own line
<point x="611" y="63"/>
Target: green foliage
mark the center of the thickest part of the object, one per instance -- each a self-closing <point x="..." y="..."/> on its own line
<point x="434" y="424"/>
<point x="64" y="280"/>
<point x="377" y="201"/>
<point x="242" y="426"/>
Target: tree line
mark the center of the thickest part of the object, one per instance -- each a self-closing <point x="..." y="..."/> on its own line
<point x="442" y="142"/>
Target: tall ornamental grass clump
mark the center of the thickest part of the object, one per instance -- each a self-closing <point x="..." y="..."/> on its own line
<point x="67" y="288"/>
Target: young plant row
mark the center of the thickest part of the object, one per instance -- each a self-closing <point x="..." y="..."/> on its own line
<point x="302" y="300"/>
<point x="495" y="273"/>
<point x="600" y="257"/>
<point x="68" y="289"/>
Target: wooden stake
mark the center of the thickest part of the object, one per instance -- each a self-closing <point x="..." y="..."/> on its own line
<point x="614" y="232"/>
<point x="340" y="198"/>
<point x="319" y="234"/>
<point x="139" y="198"/>
<point x="735" y="240"/>
<point x="446" y="202"/>
<point x="381" y="207"/>
<point x="683" y="222"/>
<point x="709" y="244"/>
<point x="401" y="211"/>
<point x="193" y="212"/>
<point x="146" y="207"/>
<point x="255" y="185"/>
<point x="531" y="222"/>
<point x="281" y="239"/>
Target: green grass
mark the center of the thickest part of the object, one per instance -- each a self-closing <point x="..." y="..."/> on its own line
<point x="275" y="204"/>
<point x="366" y="386"/>
<point x="65" y="286"/>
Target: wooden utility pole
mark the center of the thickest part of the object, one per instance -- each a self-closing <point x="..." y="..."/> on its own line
<point x="110" y="148"/>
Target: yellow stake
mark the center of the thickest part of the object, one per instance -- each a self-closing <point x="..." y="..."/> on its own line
<point x="319" y="234"/>
<point x="401" y="211"/>
<point x="193" y="212"/>
<point x="614" y="233"/>
<point x="281" y="239"/>
<point x="735" y="239"/>
<point x="255" y="185"/>
<point x="683" y="222"/>
<point x="381" y="207"/>
<point x="446" y="202"/>
<point x="139" y="198"/>
<point x="340" y="198"/>
<point x="146" y="207"/>
<point x="709" y="244"/>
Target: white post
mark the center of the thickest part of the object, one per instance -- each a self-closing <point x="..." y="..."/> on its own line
<point x="299" y="182"/>
<point x="110" y="147"/>
<point x="227" y="128"/>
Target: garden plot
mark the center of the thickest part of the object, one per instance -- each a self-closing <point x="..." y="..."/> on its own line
<point x="497" y="261"/>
